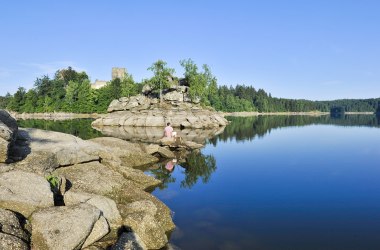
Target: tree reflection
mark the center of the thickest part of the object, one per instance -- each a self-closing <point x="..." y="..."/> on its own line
<point x="77" y="127"/>
<point x="249" y="128"/>
<point x="197" y="166"/>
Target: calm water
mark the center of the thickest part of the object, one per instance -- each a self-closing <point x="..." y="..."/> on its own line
<point x="279" y="182"/>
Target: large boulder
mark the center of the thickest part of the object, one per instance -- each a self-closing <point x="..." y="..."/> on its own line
<point x="68" y="227"/>
<point x="140" y="217"/>
<point x="92" y="177"/>
<point x="173" y="96"/>
<point x="129" y="241"/>
<point x="130" y="154"/>
<point x="8" y="131"/>
<point x="11" y="242"/>
<point x="104" y="204"/>
<point x="126" y="103"/>
<point x="136" y="176"/>
<point x="12" y="233"/>
<point x="24" y="192"/>
<point x="49" y="150"/>
<point x="163" y="216"/>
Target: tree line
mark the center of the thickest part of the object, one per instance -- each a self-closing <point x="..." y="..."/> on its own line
<point x="70" y="91"/>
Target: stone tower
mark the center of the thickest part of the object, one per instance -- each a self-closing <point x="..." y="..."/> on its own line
<point x="118" y="73"/>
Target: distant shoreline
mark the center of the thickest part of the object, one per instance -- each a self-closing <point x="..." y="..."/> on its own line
<point x="54" y="116"/>
<point x="313" y="113"/>
<point x="69" y="116"/>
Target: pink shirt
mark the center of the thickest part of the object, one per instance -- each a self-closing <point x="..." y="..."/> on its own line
<point x="168" y="131"/>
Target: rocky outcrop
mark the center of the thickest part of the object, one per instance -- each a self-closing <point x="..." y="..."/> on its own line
<point x="24" y="192"/>
<point x="142" y="111"/>
<point x="151" y="223"/>
<point x="140" y="217"/>
<point x="129" y="241"/>
<point x="67" y="149"/>
<point x="106" y="205"/>
<point x="69" y="227"/>
<point x="12" y="233"/>
<point x="8" y="131"/>
<point x="92" y="183"/>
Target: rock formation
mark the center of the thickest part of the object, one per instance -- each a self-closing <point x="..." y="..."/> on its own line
<point x="76" y="194"/>
<point x="8" y="131"/>
<point x="12" y="232"/>
<point x="177" y="108"/>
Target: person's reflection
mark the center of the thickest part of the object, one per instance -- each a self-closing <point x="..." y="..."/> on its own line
<point x="170" y="165"/>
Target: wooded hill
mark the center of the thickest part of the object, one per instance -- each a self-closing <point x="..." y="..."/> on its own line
<point x="70" y="91"/>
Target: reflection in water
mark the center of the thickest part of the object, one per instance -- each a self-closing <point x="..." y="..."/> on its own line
<point x="77" y="127"/>
<point x="160" y="172"/>
<point x="153" y="134"/>
<point x="170" y="165"/>
<point x="310" y="188"/>
<point x="196" y="166"/>
<point x="248" y="128"/>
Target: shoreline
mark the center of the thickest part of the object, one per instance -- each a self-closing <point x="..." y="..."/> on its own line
<point x="54" y="116"/>
<point x="247" y="114"/>
<point x="69" y="116"/>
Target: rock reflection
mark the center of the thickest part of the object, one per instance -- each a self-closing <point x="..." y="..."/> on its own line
<point x="153" y="134"/>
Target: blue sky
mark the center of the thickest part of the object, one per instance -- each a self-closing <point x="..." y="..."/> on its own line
<point x="318" y="50"/>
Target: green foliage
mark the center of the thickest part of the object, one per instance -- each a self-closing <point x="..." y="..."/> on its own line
<point x="54" y="181"/>
<point x="70" y="91"/>
<point x="18" y="100"/>
<point x="4" y="101"/>
<point x="162" y="75"/>
<point x="128" y="86"/>
<point x="201" y="84"/>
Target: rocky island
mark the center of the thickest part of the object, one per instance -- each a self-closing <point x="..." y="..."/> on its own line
<point x="176" y="107"/>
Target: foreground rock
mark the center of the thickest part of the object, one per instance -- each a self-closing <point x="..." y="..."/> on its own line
<point x="96" y="186"/>
<point x="129" y="241"/>
<point x="8" y="131"/>
<point x="95" y="178"/>
<point x="105" y="205"/>
<point x="70" y="227"/>
<point x="142" y="111"/>
<point x="67" y="149"/>
<point x="12" y="234"/>
<point x="131" y="154"/>
<point x="24" y="192"/>
<point x="140" y="217"/>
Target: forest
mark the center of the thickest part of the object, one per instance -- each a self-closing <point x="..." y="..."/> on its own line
<point x="70" y="91"/>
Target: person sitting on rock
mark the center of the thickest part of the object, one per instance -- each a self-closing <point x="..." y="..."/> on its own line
<point x="168" y="131"/>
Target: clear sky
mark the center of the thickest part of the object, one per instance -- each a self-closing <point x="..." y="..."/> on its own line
<point x="318" y="50"/>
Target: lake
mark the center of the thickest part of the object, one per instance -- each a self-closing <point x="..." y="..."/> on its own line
<point x="274" y="182"/>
